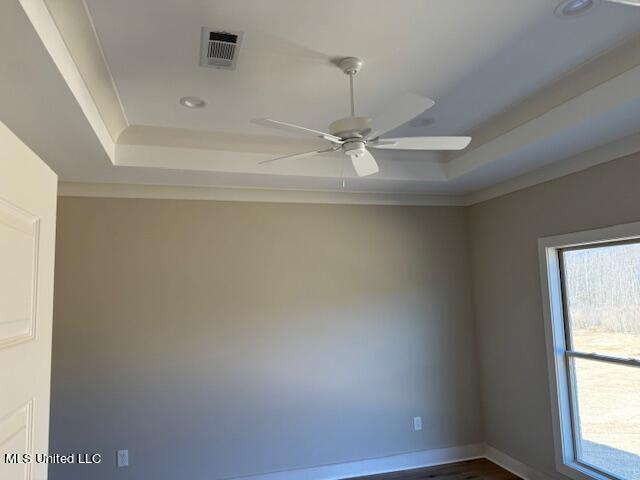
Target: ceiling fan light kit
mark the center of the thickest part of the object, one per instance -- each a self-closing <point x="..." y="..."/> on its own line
<point x="355" y="135"/>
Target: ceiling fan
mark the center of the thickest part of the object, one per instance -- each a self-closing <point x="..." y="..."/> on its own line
<point x="355" y="135"/>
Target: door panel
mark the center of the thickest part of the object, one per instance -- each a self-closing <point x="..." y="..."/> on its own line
<point x="19" y="260"/>
<point x="16" y="437"/>
<point x="27" y="235"/>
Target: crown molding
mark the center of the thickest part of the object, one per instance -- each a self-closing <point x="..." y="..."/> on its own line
<point x="614" y="61"/>
<point x="76" y="27"/>
<point x="621" y="148"/>
<point x="596" y="107"/>
<point x="232" y="194"/>
<point x="45" y="26"/>
<point x="582" y="161"/>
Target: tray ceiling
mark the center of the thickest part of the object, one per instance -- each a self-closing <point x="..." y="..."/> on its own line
<point x="533" y="89"/>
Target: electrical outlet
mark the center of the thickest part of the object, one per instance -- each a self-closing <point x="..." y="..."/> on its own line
<point x="417" y="423"/>
<point x="123" y="458"/>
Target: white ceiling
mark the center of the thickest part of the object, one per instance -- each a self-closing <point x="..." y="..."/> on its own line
<point x="478" y="60"/>
<point x="473" y="58"/>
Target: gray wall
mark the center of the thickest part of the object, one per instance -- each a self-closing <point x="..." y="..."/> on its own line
<point x="508" y="304"/>
<point x="219" y="339"/>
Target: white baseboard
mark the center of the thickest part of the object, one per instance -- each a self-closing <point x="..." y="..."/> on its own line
<point x="406" y="461"/>
<point x="514" y="466"/>
<point x="372" y="466"/>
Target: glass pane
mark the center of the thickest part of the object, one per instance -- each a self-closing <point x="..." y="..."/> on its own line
<point x="602" y="289"/>
<point x="608" y="416"/>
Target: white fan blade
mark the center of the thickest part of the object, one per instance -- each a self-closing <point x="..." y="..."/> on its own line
<point x="377" y="142"/>
<point x="298" y="155"/>
<point x="365" y="164"/>
<point x="403" y="109"/>
<point x="633" y="3"/>
<point x="423" y="143"/>
<point x="289" y="127"/>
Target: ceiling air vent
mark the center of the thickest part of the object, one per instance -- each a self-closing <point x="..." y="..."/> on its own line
<point x="219" y="48"/>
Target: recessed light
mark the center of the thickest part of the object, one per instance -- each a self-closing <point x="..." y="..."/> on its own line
<point x="192" y="102"/>
<point x="575" y="8"/>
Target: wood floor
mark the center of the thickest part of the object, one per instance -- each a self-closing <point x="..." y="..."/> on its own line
<point x="480" y="469"/>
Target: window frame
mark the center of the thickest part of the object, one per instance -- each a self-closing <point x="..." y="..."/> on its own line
<point x="558" y="342"/>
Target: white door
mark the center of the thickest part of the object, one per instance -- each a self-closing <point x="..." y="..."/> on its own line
<point x="27" y="236"/>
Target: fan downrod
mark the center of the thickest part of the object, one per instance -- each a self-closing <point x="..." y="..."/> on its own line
<point x="352" y="127"/>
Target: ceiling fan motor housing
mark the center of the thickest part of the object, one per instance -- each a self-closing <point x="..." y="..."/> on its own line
<point x="351" y="127"/>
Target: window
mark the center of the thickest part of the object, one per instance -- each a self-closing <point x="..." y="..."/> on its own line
<point x="591" y="290"/>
